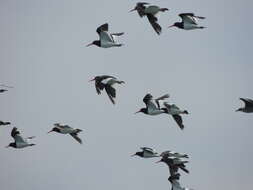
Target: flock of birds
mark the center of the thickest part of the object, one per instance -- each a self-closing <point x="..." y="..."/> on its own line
<point x="153" y="106"/>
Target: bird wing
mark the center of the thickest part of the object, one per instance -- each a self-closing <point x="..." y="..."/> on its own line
<point x="188" y="18"/>
<point x="248" y="102"/>
<point x="161" y="98"/>
<point x="153" y="21"/>
<point x="149" y="103"/>
<point x="103" y="27"/>
<point x="16" y="135"/>
<point x="115" y="35"/>
<point x="104" y="36"/>
<point x="111" y="92"/>
<point x="147" y="149"/>
<point x="75" y="136"/>
<point x="179" y="121"/>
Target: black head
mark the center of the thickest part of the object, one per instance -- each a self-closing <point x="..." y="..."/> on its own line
<point x="177" y="24"/>
<point x="96" y="42"/>
<point x="11" y="145"/>
<point x="142" y="110"/>
<point x="55" y="129"/>
<point x="240" y="109"/>
<point x="140" y="154"/>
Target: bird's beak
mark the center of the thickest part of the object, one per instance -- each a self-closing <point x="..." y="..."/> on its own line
<point x="92" y="80"/>
<point x="137" y="112"/>
<point x="50" y="131"/>
<point x="158" y="161"/>
<point x="133" y="155"/>
<point x="171" y="26"/>
<point x="132" y="10"/>
<point x="7" y="146"/>
<point x="89" y="45"/>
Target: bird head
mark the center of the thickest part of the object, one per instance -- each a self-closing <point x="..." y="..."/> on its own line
<point x="96" y="42"/>
<point x="142" y="110"/>
<point x="11" y="145"/>
<point x="176" y="24"/>
<point x="140" y="154"/>
<point x="240" y="109"/>
<point x="55" y="129"/>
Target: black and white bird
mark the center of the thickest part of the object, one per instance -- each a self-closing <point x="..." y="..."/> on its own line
<point x="65" y="129"/>
<point x="188" y="22"/>
<point x="106" y="82"/>
<point x="174" y="180"/>
<point x="146" y="153"/>
<point x="175" y="111"/>
<point x="152" y="108"/>
<point x="20" y="142"/>
<point x="151" y="12"/>
<point x="3" y="90"/>
<point x="5" y="123"/>
<point x="106" y="39"/>
<point x="169" y="153"/>
<point x="248" y="107"/>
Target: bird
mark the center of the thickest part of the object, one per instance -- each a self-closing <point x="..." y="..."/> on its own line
<point x="188" y="22"/>
<point x="3" y="90"/>
<point x="106" y="40"/>
<point x="174" y="180"/>
<point x="173" y="110"/>
<point x="151" y="107"/>
<point x="4" y="123"/>
<point x="146" y="153"/>
<point x="174" y="164"/>
<point x="151" y="12"/>
<point x="65" y="129"/>
<point x="248" y="108"/>
<point x="169" y="153"/>
<point x="106" y="82"/>
<point x="20" y="142"/>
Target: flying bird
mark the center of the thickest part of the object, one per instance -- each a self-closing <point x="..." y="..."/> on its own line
<point x="173" y="110"/>
<point x="151" y="12"/>
<point x="146" y="153"/>
<point x="106" y="39"/>
<point x="248" y="107"/>
<point x="169" y="153"/>
<point x="65" y="129"/>
<point x="20" y="142"/>
<point x="152" y="106"/>
<point x="3" y="90"/>
<point x="106" y="82"/>
<point x="188" y="22"/>
<point x="4" y="123"/>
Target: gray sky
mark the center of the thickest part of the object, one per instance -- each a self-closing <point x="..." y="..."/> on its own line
<point x="43" y="54"/>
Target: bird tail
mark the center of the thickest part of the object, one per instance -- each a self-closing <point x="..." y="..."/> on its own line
<point x="201" y="27"/>
<point x="163" y="9"/>
<point x="32" y="144"/>
<point x="78" y="130"/>
<point x="32" y="137"/>
<point x="185" y="156"/>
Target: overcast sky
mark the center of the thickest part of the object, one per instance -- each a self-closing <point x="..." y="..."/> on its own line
<point x="43" y="55"/>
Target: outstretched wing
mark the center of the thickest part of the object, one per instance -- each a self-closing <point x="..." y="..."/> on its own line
<point x="111" y="92"/>
<point x="16" y="135"/>
<point x="188" y="18"/>
<point x="248" y="102"/>
<point x="179" y="121"/>
<point x="147" y="149"/>
<point x="161" y="98"/>
<point x="153" y="21"/>
<point x="149" y="103"/>
<point x="75" y="136"/>
<point x="102" y="28"/>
